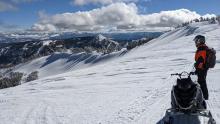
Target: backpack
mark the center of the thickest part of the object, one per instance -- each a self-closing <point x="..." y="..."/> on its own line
<point x="211" y="58"/>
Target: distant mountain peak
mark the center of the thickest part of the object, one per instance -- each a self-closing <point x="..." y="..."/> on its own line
<point x="100" y="37"/>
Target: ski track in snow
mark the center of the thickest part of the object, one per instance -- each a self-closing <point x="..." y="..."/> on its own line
<point x="133" y="89"/>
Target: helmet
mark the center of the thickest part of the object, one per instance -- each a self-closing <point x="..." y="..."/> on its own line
<point x="199" y="39"/>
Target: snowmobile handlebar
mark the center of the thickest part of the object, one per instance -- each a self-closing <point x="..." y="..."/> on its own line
<point x="184" y="73"/>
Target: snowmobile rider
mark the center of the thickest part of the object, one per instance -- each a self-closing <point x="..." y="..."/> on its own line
<point x="200" y="62"/>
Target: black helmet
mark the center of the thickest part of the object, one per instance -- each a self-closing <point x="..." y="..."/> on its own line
<point x="199" y="39"/>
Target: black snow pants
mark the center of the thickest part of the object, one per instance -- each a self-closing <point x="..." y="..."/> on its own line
<point x="202" y="81"/>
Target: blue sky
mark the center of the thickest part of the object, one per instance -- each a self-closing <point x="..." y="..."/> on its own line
<point x="24" y="14"/>
<point x="200" y="6"/>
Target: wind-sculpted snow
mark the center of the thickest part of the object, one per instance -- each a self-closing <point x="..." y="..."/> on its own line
<point x="133" y="89"/>
<point x="64" y="62"/>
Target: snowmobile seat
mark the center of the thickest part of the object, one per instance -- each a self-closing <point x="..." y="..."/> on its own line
<point x="185" y="96"/>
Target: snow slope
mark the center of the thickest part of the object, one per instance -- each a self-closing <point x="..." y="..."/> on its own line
<point x="58" y="63"/>
<point x="134" y="89"/>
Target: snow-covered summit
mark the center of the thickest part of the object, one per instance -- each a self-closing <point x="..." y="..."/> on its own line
<point x="103" y="40"/>
<point x="100" y="37"/>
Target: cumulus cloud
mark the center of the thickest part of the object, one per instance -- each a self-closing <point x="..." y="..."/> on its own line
<point x="116" y="16"/>
<point x="209" y="16"/>
<point x="46" y="27"/>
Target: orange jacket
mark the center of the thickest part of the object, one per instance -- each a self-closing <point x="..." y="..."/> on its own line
<point x="200" y="57"/>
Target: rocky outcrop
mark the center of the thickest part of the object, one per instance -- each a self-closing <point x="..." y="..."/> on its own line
<point x="13" y="79"/>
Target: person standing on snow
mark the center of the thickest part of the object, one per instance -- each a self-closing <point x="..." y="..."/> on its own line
<point x="200" y="63"/>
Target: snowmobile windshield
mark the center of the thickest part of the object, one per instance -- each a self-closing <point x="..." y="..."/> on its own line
<point x="184" y="75"/>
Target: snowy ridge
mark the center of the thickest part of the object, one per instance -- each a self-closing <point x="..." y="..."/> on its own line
<point x="133" y="89"/>
<point x="12" y="54"/>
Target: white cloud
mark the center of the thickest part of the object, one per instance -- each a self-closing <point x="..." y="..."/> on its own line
<point x="116" y="16"/>
<point x="46" y="27"/>
<point x="209" y="15"/>
<point x="6" y="6"/>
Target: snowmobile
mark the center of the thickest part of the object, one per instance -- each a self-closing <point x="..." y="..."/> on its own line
<point x="187" y="103"/>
